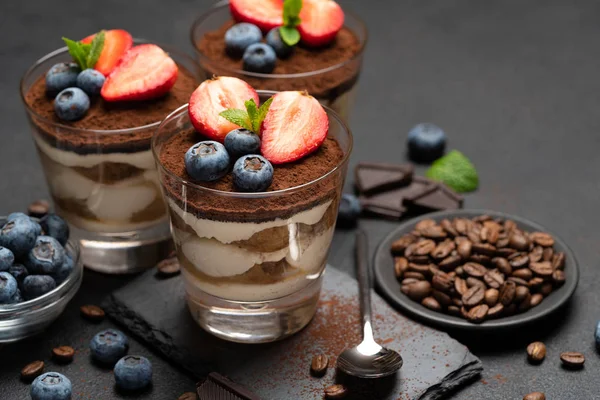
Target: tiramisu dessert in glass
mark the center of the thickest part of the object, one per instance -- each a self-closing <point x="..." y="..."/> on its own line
<point x="93" y="107"/>
<point x="310" y="45"/>
<point x="253" y="182"/>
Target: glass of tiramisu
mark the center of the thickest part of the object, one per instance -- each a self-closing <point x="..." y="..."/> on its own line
<point x="242" y="38"/>
<point x="92" y="119"/>
<point x="252" y="209"/>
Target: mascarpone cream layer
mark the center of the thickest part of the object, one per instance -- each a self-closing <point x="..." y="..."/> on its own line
<point x="107" y="227"/>
<point x="227" y="232"/>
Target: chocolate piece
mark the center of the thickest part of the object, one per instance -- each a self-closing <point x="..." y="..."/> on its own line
<point x="216" y="383"/>
<point x="436" y="197"/>
<point x="390" y="204"/>
<point x="371" y="178"/>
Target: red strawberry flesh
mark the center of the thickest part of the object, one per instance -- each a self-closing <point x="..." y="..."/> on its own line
<point x="266" y="14"/>
<point x="116" y="43"/>
<point x="320" y="20"/>
<point x="213" y="97"/>
<point x="145" y="72"/>
<point x="295" y="126"/>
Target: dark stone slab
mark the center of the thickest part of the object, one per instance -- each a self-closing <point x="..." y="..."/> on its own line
<point x="155" y="311"/>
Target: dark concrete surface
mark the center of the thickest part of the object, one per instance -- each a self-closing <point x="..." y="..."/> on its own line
<point x="514" y="84"/>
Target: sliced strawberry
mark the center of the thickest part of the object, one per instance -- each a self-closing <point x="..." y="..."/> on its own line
<point x="320" y="21"/>
<point x="295" y="126"/>
<point x="116" y="43"/>
<point x="266" y="14"/>
<point x="145" y="72"/>
<point x="215" y="96"/>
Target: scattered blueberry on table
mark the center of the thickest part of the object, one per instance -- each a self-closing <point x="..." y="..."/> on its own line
<point x="426" y="142"/>
<point x="252" y="173"/>
<point x="259" y="57"/>
<point x="349" y="209"/>
<point x="51" y="386"/>
<point x="133" y="373"/>
<point x="597" y="336"/>
<point x="108" y="346"/>
<point x="239" y="37"/>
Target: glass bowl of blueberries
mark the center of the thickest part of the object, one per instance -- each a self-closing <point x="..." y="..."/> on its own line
<point x="40" y="272"/>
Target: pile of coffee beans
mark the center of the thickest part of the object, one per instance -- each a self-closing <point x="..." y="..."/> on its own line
<point x="477" y="269"/>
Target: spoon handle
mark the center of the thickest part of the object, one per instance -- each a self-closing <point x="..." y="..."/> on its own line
<point x="364" y="282"/>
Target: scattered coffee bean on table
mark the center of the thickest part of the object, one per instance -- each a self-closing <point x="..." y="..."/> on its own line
<point x="63" y="354"/>
<point x="335" y="392"/>
<point x="479" y="268"/>
<point x="38" y="208"/>
<point x="92" y="313"/>
<point x="32" y="370"/>
<point x="535" y="396"/>
<point x="168" y="267"/>
<point x="188" y="396"/>
<point x="572" y="359"/>
<point x="536" y="352"/>
<point x="319" y="364"/>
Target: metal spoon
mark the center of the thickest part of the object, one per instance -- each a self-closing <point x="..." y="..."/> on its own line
<point x="368" y="359"/>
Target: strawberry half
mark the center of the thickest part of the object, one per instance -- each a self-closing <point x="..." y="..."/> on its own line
<point x="295" y="126"/>
<point x="116" y="43"/>
<point x="215" y="96"/>
<point x="145" y="72"/>
<point x="266" y="14"/>
<point x="320" y="21"/>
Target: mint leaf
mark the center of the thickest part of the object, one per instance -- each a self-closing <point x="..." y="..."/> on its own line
<point x="262" y="113"/>
<point x="77" y="52"/>
<point x="289" y="35"/>
<point x="456" y="171"/>
<point x="238" y="117"/>
<point x="291" y="12"/>
<point x="252" y="114"/>
<point x="95" y="49"/>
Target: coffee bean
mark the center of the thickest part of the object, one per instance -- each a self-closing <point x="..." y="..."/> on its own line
<point x="474" y="269"/>
<point x="449" y="262"/>
<point x="335" y="392"/>
<point x="319" y="364"/>
<point x="536" y="282"/>
<point x="32" y="370"/>
<point x="535" y="396"/>
<point x="188" y="396"/>
<point x="494" y="278"/>
<point x="38" y="208"/>
<point x="510" y="309"/>
<point x="424" y="224"/>
<point x="415" y="259"/>
<point x="523" y="273"/>
<point x="464" y="249"/>
<point x="400" y="266"/>
<point x="509" y="225"/>
<point x="491" y="297"/>
<point x="518" y="260"/>
<point x="489" y="234"/>
<point x="542" y="238"/>
<point x="409" y="281"/>
<point x="400" y="245"/>
<point x="454" y="310"/>
<point x="543" y="268"/>
<point x="502" y="264"/>
<point x="546" y="288"/>
<point x="457" y="301"/>
<point x="571" y="359"/>
<point x="518" y="241"/>
<point x="434" y="232"/>
<point x="460" y="285"/>
<point x="474" y="237"/>
<point x="460" y="271"/>
<point x="518" y="281"/>
<point x="442" y="282"/>
<point x="405" y="289"/>
<point x="505" y="251"/>
<point x="521" y="293"/>
<point x="473" y="296"/>
<point x="420" y="268"/>
<point x="547" y="254"/>
<point x="419" y="290"/>
<point x="464" y="313"/>
<point x="443" y="249"/>
<point x="477" y="314"/>
<point x="168" y="267"/>
<point x="460" y="239"/>
<point x="92" y="313"/>
<point x="558" y="276"/>
<point x="482" y="218"/>
<point x="558" y="260"/>
<point x="431" y="303"/>
<point x="536" y="299"/>
<point x="414" y="275"/>
<point x="507" y="292"/>
<point x="480" y="259"/>
<point x="420" y="248"/>
<point x="484" y="248"/>
<point x="461" y="225"/>
<point x="475" y="282"/>
<point x="63" y="354"/>
<point x="526" y="303"/>
<point x="442" y="298"/>
<point x="434" y="270"/>
<point x="495" y="311"/>
<point x="535" y="255"/>
<point x="536" y="352"/>
<point x="447" y="226"/>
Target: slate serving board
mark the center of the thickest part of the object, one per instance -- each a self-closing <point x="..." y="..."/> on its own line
<point x="434" y="364"/>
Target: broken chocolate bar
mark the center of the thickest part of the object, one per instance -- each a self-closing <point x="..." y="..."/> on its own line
<point x="372" y="178"/>
<point x="436" y="197"/>
<point x="390" y="204"/>
<point x="216" y="386"/>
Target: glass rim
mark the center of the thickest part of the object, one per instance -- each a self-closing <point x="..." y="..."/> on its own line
<point x="252" y="195"/>
<point x="225" y="3"/>
<point x="63" y="50"/>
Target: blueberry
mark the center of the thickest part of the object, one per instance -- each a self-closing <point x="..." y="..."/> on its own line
<point x="240" y="142"/>
<point x="8" y="287"/>
<point x="46" y="256"/>
<point x="7" y="258"/>
<point x="597" y="335"/>
<point x="64" y="270"/>
<point x="133" y="373"/>
<point x="426" y="142"/>
<point x="239" y="37"/>
<point x="207" y="161"/>
<point x="17" y="298"/>
<point x="259" y="57"/>
<point x="252" y="173"/>
<point x="109" y="346"/>
<point x="37" y="285"/>
<point x="19" y="235"/>
<point x="90" y="81"/>
<point x="56" y="227"/>
<point x="19" y="272"/>
<point x="71" y="104"/>
<point x="61" y="76"/>
<point x="51" y="386"/>
<point x="349" y="209"/>
<point x="282" y="49"/>
<point x="15" y="215"/>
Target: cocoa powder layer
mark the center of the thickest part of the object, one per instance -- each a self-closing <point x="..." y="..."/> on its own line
<point x="205" y="204"/>
<point x="328" y="85"/>
<point x="108" y="116"/>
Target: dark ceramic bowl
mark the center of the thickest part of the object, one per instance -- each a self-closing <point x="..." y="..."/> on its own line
<point x="389" y="286"/>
